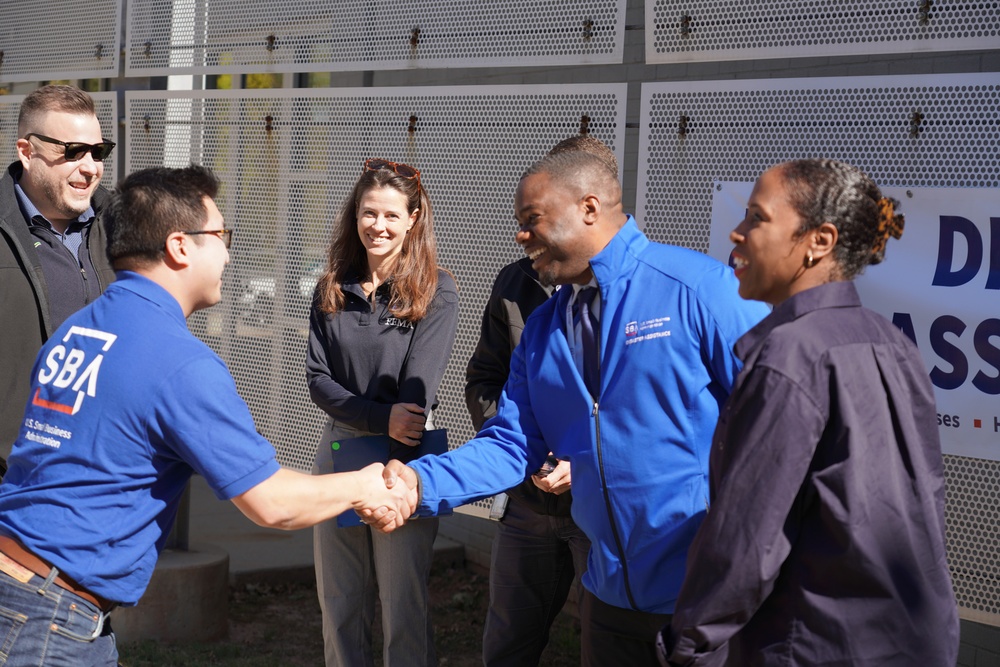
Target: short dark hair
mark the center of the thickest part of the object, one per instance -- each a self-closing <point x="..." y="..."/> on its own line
<point x="152" y="204"/>
<point x="577" y="170"/>
<point x="47" y="99"/>
<point x="823" y="190"/>
<point x="587" y="143"/>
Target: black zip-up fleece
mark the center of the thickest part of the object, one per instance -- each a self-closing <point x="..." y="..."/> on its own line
<point x="25" y="298"/>
<point x="362" y="359"/>
<point x="516" y="293"/>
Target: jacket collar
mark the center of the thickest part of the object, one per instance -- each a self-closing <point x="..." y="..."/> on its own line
<point x="839" y="294"/>
<point x="620" y="254"/>
<point x="10" y="201"/>
<point x="11" y="209"/>
<point x="614" y="261"/>
<point x="34" y="216"/>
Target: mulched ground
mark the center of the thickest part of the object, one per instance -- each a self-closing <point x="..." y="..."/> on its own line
<point x="280" y="626"/>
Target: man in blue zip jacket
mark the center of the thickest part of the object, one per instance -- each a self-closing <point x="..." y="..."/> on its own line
<point x="638" y="437"/>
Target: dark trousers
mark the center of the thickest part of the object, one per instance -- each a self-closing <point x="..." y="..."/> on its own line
<point x="615" y="636"/>
<point x="536" y="560"/>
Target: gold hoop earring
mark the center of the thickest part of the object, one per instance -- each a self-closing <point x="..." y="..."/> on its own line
<point x="810" y="262"/>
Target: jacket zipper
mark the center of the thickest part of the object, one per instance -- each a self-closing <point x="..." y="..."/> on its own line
<point x="83" y="272"/>
<point x="86" y="282"/>
<point x="90" y="256"/>
<point x="604" y="480"/>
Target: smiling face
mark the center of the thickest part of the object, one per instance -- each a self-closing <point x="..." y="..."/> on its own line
<point x="770" y="255"/>
<point x="552" y="231"/>
<point x="212" y="256"/>
<point x="382" y="225"/>
<point x="60" y="189"/>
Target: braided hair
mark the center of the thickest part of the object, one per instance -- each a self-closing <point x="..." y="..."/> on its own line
<point x="823" y="190"/>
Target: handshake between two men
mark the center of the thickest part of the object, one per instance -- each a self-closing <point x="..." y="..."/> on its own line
<point x="388" y="495"/>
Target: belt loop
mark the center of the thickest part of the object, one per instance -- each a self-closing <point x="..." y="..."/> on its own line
<point x="99" y="630"/>
<point x="44" y="588"/>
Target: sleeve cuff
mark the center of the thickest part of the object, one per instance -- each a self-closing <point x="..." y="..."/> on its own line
<point x="378" y="418"/>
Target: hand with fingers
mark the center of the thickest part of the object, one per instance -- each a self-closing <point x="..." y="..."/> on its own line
<point x="558" y="481"/>
<point x="380" y="504"/>
<point x="402" y="481"/>
<point x="406" y="423"/>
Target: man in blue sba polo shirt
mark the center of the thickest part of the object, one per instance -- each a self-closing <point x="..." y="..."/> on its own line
<point x="125" y="405"/>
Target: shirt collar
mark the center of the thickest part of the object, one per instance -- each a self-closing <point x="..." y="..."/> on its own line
<point x="33" y="215"/>
<point x="839" y="294"/>
<point x="577" y="288"/>
<point x="621" y="251"/>
<point x="151" y="290"/>
<point x="352" y="283"/>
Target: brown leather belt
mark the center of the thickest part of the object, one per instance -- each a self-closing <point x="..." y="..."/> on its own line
<point x="13" y="550"/>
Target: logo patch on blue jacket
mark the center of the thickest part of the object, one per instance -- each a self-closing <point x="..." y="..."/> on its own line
<point x="637" y="332"/>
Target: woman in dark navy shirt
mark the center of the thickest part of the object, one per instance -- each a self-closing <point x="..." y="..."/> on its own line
<point x="824" y="544"/>
<point x="381" y="329"/>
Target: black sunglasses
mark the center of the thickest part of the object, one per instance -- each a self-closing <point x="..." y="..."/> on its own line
<point x="75" y="150"/>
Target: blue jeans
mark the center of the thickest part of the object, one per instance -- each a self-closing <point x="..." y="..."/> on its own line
<point x="43" y="624"/>
<point x="536" y="560"/>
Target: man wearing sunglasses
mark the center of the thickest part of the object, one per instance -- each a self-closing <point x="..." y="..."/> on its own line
<point x="52" y="259"/>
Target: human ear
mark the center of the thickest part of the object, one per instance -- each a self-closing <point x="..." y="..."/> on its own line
<point x="23" y="151"/>
<point x="177" y="249"/>
<point x="824" y="238"/>
<point x="591" y="207"/>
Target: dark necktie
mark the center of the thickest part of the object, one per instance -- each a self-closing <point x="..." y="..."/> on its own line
<point x="589" y="330"/>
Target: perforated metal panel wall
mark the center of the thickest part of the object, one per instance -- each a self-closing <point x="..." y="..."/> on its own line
<point x="907" y="130"/>
<point x="904" y="131"/>
<point x="712" y="30"/>
<point x="234" y="36"/>
<point x="107" y="114"/>
<point x="289" y="158"/>
<point x="972" y="514"/>
<point x="73" y="40"/>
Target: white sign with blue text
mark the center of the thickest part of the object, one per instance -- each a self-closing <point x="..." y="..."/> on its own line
<point x="940" y="284"/>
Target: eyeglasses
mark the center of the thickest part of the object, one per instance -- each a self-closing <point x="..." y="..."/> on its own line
<point x="75" y="150"/>
<point x="225" y="234"/>
<point x="404" y="170"/>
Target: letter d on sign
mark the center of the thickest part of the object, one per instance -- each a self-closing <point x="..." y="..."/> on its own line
<point x="943" y="273"/>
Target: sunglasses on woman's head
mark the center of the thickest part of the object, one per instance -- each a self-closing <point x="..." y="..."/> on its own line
<point x="75" y="150"/>
<point x="404" y="170"/>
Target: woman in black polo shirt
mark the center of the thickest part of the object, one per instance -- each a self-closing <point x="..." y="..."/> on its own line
<point x="381" y="329"/>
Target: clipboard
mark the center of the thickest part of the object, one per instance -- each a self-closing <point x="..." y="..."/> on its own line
<point x="350" y="454"/>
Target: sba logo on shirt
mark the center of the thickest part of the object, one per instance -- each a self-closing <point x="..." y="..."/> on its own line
<point x="72" y="366"/>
